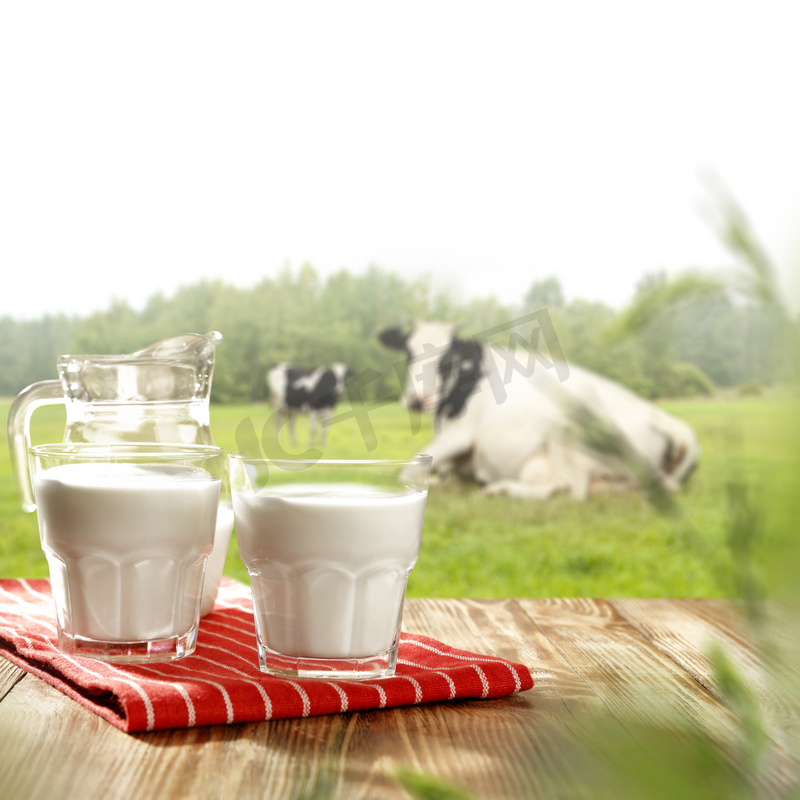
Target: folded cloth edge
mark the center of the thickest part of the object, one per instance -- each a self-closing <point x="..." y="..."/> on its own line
<point x="135" y="698"/>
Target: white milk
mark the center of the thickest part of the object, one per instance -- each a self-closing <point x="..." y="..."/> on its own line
<point x="126" y="546"/>
<point x="216" y="561"/>
<point x="328" y="565"/>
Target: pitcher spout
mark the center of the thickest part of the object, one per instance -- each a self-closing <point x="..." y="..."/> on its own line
<point x="186" y="345"/>
<point x="176" y="369"/>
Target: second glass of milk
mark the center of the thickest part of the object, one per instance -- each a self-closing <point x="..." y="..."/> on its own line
<point x="127" y="530"/>
<point x="329" y="546"/>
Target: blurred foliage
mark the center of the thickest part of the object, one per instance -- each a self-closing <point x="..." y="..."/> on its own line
<point x="751" y="388"/>
<point x="675" y="338"/>
<point x="423" y="786"/>
<point x="760" y="508"/>
<point x="679" y="336"/>
<point x="672" y="759"/>
<point x="300" y="318"/>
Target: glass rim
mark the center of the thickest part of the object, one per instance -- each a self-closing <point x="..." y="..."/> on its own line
<point x="132" y="450"/>
<point x="419" y="458"/>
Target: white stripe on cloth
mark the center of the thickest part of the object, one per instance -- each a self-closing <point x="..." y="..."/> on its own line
<point x="30" y="612"/>
<point x="207" y="623"/>
<point x="449" y="681"/>
<point x="207" y="646"/>
<point x="517" y="683"/>
<point x="53" y="648"/>
<point x="342" y="695"/>
<point x="433" y="671"/>
<point x="243" y="626"/>
<point x="259" y="687"/>
<point x="148" y="703"/>
<point x="458" y="656"/>
<point x="28" y="588"/>
<point x="382" y="696"/>
<point x="225" y="638"/>
<point x="379" y="689"/>
<point x="426" y="646"/>
<point x="47" y="613"/>
<point x="225" y="613"/>
<point x="417" y="687"/>
<point x="182" y="692"/>
<point x="225" y="605"/>
<point x="17" y="635"/>
<point x="43" y="624"/>
<point x="229" y="712"/>
<point x="189" y="704"/>
<point x="303" y="697"/>
<point x="484" y="682"/>
<point x="476" y="667"/>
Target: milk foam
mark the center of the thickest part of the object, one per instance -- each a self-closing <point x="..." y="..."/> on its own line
<point x="328" y="565"/>
<point x="126" y="545"/>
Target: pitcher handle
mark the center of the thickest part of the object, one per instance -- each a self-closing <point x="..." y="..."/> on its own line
<point x="43" y="393"/>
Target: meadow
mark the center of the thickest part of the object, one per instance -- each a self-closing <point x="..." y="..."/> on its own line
<point x="479" y="546"/>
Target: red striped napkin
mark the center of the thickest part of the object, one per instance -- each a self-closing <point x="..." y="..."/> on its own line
<point x="220" y="683"/>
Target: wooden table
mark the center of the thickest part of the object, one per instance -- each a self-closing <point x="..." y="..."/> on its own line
<point x="617" y="664"/>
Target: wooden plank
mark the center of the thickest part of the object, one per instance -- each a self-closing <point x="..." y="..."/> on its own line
<point x="685" y="629"/>
<point x="642" y="683"/>
<point x="51" y="746"/>
<point x="631" y="677"/>
<point x="556" y="716"/>
<point x="592" y="660"/>
<point x="9" y="677"/>
<point x="492" y="747"/>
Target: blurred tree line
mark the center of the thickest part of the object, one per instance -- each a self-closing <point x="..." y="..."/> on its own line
<point x="711" y="340"/>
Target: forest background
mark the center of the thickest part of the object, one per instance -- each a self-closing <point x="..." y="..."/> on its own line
<point x="712" y="340"/>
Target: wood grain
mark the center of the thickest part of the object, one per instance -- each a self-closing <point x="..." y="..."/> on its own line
<point x="594" y="661"/>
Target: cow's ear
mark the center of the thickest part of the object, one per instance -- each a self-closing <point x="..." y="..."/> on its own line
<point x="393" y="338"/>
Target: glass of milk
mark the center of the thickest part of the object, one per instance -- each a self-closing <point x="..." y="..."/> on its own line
<point x="127" y="530"/>
<point x="329" y="546"/>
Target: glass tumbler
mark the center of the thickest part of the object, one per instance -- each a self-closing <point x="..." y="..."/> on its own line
<point x="127" y="530"/>
<point x="329" y="546"/>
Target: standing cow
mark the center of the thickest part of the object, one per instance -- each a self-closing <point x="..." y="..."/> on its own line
<point x="522" y="435"/>
<point x="313" y="391"/>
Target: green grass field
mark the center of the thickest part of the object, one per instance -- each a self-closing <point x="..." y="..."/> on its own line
<point x="476" y="546"/>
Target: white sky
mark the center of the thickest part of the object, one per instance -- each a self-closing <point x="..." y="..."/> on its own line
<point x="144" y="146"/>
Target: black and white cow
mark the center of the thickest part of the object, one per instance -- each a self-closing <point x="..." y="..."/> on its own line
<point x="313" y="391"/>
<point x="521" y="436"/>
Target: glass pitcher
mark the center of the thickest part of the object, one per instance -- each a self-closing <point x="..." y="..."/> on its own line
<point x="158" y="394"/>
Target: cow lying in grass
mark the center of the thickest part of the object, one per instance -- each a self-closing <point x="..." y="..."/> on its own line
<point x="533" y="435"/>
